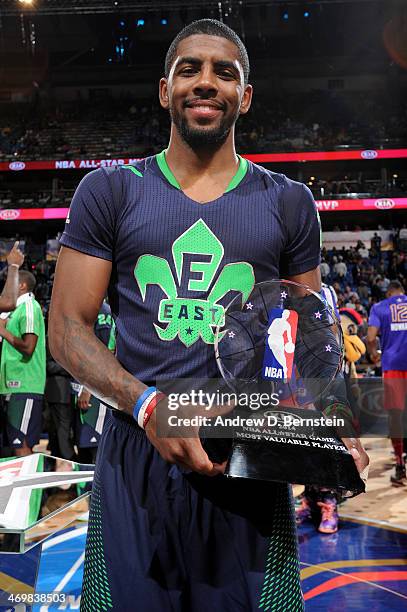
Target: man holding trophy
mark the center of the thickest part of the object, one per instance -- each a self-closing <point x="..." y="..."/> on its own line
<point x="174" y="239"/>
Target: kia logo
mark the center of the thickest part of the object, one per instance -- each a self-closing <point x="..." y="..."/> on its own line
<point x="9" y="214"/>
<point x="369" y="154"/>
<point x="17" y="166"/>
<point x="385" y="204"/>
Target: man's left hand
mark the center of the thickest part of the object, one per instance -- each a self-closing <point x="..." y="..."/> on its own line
<point x="360" y="456"/>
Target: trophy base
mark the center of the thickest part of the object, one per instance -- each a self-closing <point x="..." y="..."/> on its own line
<point x="296" y="456"/>
<point x="322" y="469"/>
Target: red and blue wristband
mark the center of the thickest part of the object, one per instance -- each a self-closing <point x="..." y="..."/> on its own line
<point x="145" y="405"/>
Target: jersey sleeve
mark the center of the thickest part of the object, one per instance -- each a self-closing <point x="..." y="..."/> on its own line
<point x="103" y="333"/>
<point x="302" y="248"/>
<point x="104" y="326"/>
<point x="30" y="319"/>
<point x="90" y="224"/>
<point x="374" y="319"/>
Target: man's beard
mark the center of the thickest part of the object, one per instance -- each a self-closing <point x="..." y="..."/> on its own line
<point x="201" y="138"/>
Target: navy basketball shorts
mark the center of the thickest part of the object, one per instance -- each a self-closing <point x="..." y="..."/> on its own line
<point x="24" y="419"/>
<point x="163" y="541"/>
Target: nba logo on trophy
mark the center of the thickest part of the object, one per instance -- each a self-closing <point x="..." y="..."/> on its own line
<point x="280" y="344"/>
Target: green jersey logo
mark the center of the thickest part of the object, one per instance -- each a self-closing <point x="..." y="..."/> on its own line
<point x="187" y="317"/>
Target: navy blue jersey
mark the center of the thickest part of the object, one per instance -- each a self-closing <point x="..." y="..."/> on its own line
<point x="104" y="325"/>
<point x="177" y="263"/>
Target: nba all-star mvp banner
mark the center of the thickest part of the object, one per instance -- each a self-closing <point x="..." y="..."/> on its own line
<point x="30" y="214"/>
<point x="92" y="164"/>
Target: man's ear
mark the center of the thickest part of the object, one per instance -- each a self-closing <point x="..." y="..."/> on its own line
<point x="163" y="93"/>
<point x="246" y="99"/>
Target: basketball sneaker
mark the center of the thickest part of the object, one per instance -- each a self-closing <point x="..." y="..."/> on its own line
<point x="329" y="516"/>
<point x="303" y="511"/>
<point x="399" y="478"/>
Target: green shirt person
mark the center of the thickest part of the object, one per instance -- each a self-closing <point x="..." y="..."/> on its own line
<point x="23" y="367"/>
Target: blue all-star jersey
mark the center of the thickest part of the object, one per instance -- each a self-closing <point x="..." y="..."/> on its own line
<point x="177" y="263"/>
<point x="390" y="316"/>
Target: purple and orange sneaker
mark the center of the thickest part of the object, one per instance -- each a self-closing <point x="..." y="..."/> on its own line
<point x="329" y="516"/>
<point x="303" y="511"/>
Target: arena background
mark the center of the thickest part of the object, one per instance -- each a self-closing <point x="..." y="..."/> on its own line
<point x="78" y="90"/>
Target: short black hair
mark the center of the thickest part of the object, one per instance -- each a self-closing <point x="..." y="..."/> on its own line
<point x="24" y="276"/>
<point x="396" y="285"/>
<point x="211" y="27"/>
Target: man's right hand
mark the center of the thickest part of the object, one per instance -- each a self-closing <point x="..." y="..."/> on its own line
<point x="15" y="257"/>
<point x="187" y="452"/>
<point x="84" y="399"/>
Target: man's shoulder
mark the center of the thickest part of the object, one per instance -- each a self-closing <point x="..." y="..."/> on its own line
<point x="110" y="190"/>
<point x="393" y="300"/>
<point x="137" y="169"/>
<point x="111" y="177"/>
<point x="262" y="173"/>
<point x="286" y="186"/>
<point x="19" y="310"/>
<point x="381" y="307"/>
<point x="36" y="305"/>
<point x="27" y="309"/>
<point x="398" y="299"/>
<point x="31" y="305"/>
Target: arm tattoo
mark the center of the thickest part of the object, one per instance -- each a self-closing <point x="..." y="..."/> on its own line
<point x="94" y="366"/>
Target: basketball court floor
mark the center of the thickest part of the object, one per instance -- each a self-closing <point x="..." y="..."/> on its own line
<point x="363" y="567"/>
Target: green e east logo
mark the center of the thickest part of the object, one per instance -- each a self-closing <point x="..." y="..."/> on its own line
<point x="189" y="318"/>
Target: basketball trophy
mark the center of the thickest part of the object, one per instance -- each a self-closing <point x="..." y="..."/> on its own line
<point x="283" y="345"/>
